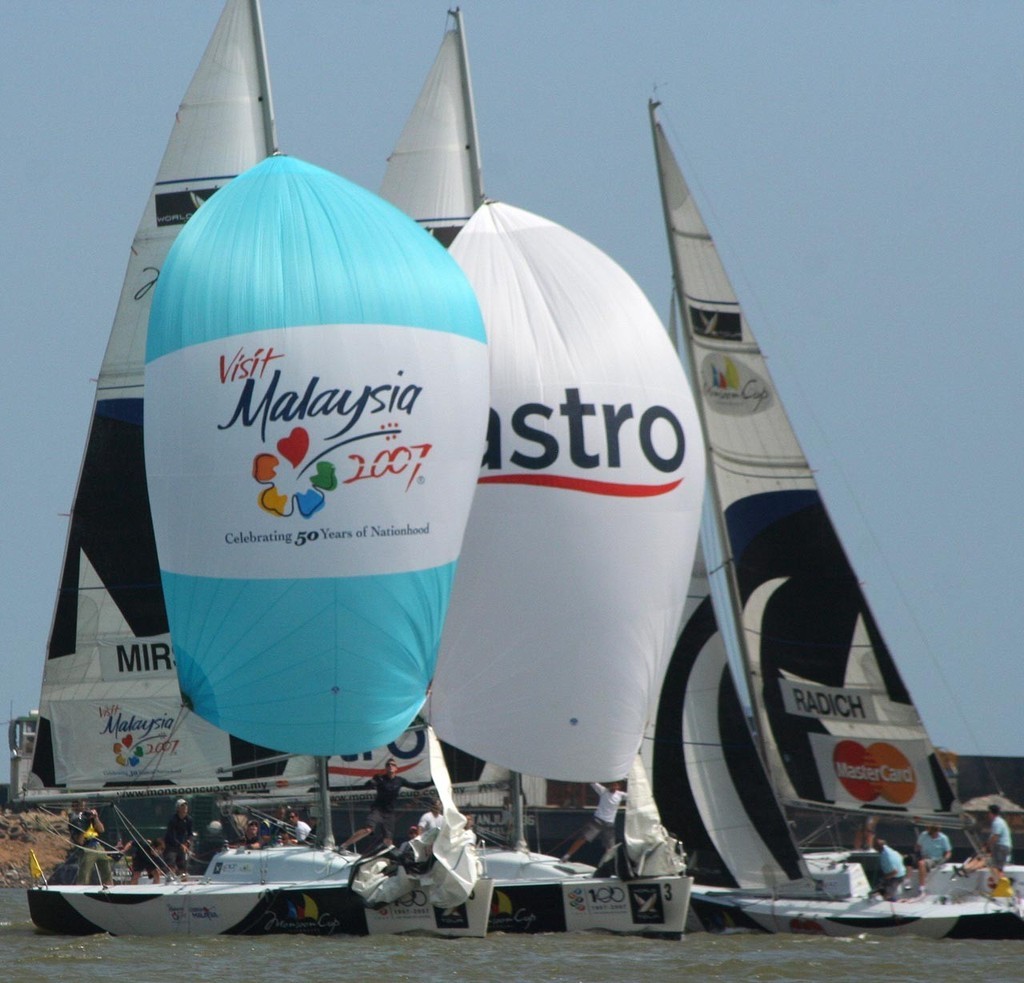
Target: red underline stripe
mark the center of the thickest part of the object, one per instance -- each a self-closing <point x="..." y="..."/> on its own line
<point x="581" y="485"/>
<point x="367" y="772"/>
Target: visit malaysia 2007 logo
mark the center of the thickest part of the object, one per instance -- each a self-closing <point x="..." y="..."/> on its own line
<point x="300" y="470"/>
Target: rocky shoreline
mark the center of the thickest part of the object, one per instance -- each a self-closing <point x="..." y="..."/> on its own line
<point x="23" y="831"/>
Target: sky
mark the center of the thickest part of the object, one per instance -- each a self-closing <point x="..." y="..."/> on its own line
<point x="859" y="165"/>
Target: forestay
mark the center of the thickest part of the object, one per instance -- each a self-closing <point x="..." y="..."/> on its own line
<point x="579" y="544"/>
<point x="317" y="380"/>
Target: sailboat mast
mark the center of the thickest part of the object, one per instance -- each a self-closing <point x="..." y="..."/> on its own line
<point x="326" y="827"/>
<point x="518" y="819"/>
<point x="713" y="499"/>
<point x="475" y="166"/>
<point x="266" y="101"/>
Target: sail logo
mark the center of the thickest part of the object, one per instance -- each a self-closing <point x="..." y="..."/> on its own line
<point x="826" y="702"/>
<point x="716" y="324"/>
<point x="300" y="911"/>
<point x="506" y="917"/>
<point x="297" y="479"/>
<point x="879" y="770"/>
<point x="147" y="657"/>
<point x="177" y="207"/>
<point x="732" y="387"/>
<point x="412" y="758"/>
<point x="301" y="916"/>
<point x="598" y="436"/>
<point x="452" y="918"/>
<point x="127" y="752"/>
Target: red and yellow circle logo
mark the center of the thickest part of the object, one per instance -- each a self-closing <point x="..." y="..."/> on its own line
<point x="877" y="770"/>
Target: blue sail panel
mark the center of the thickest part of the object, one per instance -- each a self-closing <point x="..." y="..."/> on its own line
<point x="316" y="401"/>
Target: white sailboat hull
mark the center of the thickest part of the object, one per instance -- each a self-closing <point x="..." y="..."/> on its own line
<point x="281" y="890"/>
<point x="536" y="893"/>
<point x="956" y="904"/>
<point x="720" y="910"/>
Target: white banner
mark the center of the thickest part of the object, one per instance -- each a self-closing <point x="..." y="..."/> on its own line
<point x="313" y="451"/>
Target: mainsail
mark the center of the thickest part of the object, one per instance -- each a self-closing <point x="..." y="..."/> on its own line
<point x="434" y="173"/>
<point x="837" y="725"/>
<point x="110" y="708"/>
<point x="579" y="544"/>
<point x="316" y="371"/>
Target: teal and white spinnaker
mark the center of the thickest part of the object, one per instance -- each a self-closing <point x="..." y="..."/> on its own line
<point x="316" y="402"/>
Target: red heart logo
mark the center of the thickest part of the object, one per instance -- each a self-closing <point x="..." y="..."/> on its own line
<point x="294" y="446"/>
<point x="127" y="740"/>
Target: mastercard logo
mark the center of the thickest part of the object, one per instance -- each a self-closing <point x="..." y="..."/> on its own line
<point x="878" y="770"/>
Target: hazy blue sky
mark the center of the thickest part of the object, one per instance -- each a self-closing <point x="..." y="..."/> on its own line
<point x="859" y="164"/>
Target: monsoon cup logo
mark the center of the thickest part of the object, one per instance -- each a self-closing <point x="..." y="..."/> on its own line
<point x="879" y="770"/>
<point x="305" y="464"/>
<point x="732" y="387"/>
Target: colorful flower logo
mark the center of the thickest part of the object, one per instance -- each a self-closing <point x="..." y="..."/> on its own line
<point x="283" y="493"/>
<point x="127" y="753"/>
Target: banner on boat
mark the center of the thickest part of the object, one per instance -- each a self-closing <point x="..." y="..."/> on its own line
<point x="304" y="465"/>
<point x="888" y="773"/>
<point x="115" y="741"/>
<point x="352" y="771"/>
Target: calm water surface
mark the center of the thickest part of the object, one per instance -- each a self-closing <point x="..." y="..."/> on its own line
<point x="27" y="956"/>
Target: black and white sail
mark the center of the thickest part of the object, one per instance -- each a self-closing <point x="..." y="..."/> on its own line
<point x="111" y="714"/>
<point x="837" y="726"/>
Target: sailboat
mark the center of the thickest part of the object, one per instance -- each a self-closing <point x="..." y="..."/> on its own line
<point x="434" y="174"/>
<point x="225" y="126"/>
<point x="111" y="716"/>
<point x="837" y="729"/>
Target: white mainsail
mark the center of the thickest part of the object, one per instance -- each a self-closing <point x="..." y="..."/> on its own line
<point x="110" y="708"/>
<point x="577" y="555"/>
<point x="434" y="173"/>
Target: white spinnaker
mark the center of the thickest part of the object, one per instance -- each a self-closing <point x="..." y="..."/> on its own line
<point x="577" y="556"/>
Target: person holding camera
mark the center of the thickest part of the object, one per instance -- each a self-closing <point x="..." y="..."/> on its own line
<point x="84" y="828"/>
<point x="178" y="840"/>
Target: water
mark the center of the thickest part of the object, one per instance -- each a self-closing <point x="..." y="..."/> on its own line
<point x="557" y="958"/>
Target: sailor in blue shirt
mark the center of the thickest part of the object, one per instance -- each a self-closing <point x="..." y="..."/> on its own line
<point x="933" y="849"/>
<point x="999" y="842"/>
<point x="890" y="863"/>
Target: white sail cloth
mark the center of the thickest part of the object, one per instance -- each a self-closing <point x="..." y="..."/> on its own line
<point x="451" y="878"/>
<point x="651" y="850"/>
<point x="110" y="700"/>
<point x="577" y="555"/>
